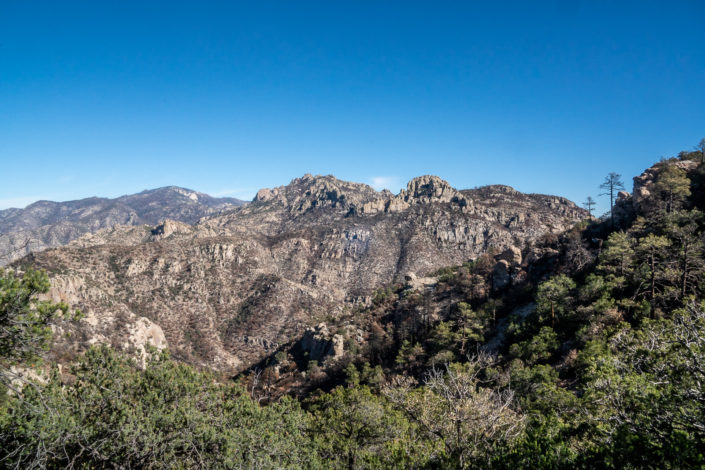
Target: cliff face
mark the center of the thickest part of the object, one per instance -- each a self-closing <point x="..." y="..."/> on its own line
<point x="228" y="290"/>
<point x="46" y="223"/>
<point x="644" y="183"/>
<point x="644" y="197"/>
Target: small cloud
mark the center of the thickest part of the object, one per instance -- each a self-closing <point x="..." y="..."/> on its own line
<point x="18" y="202"/>
<point x="385" y="182"/>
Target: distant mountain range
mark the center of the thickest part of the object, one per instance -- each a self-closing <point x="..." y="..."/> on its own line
<point x="45" y="224"/>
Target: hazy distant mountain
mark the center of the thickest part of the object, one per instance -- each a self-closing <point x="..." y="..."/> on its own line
<point x="225" y="292"/>
<point x="45" y="224"/>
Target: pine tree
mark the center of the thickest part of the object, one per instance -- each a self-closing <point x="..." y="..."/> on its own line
<point x="611" y="185"/>
<point x="673" y="185"/>
<point x="589" y="204"/>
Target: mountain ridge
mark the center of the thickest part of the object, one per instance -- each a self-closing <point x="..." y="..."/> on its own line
<point x="44" y="224"/>
<point x="226" y="291"/>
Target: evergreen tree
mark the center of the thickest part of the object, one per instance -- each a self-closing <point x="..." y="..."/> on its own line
<point x="644" y="400"/>
<point x="589" y="204"/>
<point x="25" y="330"/>
<point x="673" y="185"/>
<point x="618" y="254"/>
<point x="652" y="252"/>
<point x="354" y="428"/>
<point x="684" y="229"/>
<point x="553" y="297"/>
<point x="611" y="185"/>
<point x="701" y="148"/>
<point x="112" y="414"/>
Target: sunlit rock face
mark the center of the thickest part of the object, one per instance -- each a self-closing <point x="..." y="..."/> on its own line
<point x="644" y="183"/>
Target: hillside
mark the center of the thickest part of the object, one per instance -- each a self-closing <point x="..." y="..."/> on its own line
<point x="45" y="224"/>
<point x="226" y="292"/>
<point x="595" y="350"/>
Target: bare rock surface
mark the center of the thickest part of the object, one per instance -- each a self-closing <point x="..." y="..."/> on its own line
<point x="511" y="255"/>
<point x="320" y="344"/>
<point x="227" y="291"/>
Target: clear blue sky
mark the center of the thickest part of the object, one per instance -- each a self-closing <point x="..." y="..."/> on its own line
<point x="113" y="97"/>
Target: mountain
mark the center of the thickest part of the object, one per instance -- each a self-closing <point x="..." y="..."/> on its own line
<point x="551" y="344"/>
<point x="45" y="224"/>
<point x="227" y="291"/>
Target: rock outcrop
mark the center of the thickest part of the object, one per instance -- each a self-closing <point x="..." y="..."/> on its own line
<point x="506" y="268"/>
<point x="500" y="275"/>
<point x="421" y="190"/>
<point x="512" y="255"/>
<point x="644" y="183"/>
<point x="320" y="344"/>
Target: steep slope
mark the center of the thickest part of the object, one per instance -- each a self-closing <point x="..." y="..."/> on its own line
<point x="230" y="289"/>
<point x="45" y="224"/>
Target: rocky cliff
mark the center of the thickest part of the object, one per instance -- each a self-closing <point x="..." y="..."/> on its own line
<point x="644" y="197"/>
<point x="228" y="290"/>
<point x="46" y="223"/>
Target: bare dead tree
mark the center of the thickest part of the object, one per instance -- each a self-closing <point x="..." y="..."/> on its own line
<point x="668" y="357"/>
<point x="18" y="247"/>
<point x="456" y="408"/>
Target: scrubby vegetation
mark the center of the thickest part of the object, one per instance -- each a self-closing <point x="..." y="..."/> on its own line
<point x="594" y="359"/>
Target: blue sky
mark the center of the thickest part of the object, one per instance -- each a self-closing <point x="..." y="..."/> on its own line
<point x="113" y="97"/>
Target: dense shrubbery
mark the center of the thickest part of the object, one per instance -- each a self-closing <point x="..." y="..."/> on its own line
<point x="110" y="412"/>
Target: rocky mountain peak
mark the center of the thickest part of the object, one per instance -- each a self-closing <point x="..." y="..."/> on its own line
<point x="265" y="194"/>
<point x="321" y="192"/>
<point x="425" y="189"/>
<point x="428" y="188"/>
<point x="318" y="192"/>
<point x="187" y="193"/>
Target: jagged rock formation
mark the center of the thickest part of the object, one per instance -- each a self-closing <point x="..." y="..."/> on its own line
<point x="643" y="184"/>
<point x="229" y="290"/>
<point x="320" y="344"/>
<point x="46" y="223"/>
<point x="627" y="205"/>
<point x="421" y="190"/>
